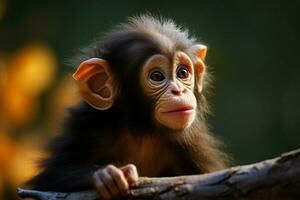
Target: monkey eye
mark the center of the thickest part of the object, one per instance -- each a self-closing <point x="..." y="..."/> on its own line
<point x="157" y="76"/>
<point x="183" y="72"/>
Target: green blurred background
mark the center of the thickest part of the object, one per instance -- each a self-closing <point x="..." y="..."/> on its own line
<point x="253" y="53"/>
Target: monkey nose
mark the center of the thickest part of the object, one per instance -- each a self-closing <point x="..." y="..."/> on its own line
<point x="176" y="92"/>
<point x="177" y="89"/>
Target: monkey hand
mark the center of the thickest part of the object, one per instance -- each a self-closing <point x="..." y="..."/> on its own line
<point x="112" y="182"/>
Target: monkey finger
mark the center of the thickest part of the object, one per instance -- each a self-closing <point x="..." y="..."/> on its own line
<point x="100" y="187"/>
<point x="109" y="182"/>
<point x="119" y="179"/>
<point x="131" y="174"/>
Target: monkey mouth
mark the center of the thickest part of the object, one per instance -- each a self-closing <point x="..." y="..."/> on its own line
<point x="181" y="109"/>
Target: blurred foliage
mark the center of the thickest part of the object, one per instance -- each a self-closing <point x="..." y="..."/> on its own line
<point x="30" y="71"/>
<point x="253" y="53"/>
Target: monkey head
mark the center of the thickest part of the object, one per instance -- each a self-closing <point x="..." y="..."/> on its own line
<point x="168" y="68"/>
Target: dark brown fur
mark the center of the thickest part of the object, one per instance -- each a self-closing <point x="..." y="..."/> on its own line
<point x="126" y="133"/>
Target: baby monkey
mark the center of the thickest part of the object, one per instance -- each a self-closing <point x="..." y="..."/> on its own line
<point x="144" y="87"/>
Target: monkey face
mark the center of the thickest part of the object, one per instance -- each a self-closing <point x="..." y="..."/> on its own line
<point x="170" y="83"/>
<point x="149" y="65"/>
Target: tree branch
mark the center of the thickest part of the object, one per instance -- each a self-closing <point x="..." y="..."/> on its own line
<point x="274" y="179"/>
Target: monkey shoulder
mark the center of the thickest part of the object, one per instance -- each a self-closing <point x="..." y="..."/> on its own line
<point x="86" y="136"/>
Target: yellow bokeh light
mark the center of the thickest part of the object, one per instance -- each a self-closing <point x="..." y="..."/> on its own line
<point x="17" y="160"/>
<point x="24" y="165"/>
<point x="29" y="72"/>
<point x="19" y="107"/>
<point x="66" y="94"/>
<point x="32" y="68"/>
<point x="6" y="150"/>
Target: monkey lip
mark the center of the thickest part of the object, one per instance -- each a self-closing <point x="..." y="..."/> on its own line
<point x="181" y="109"/>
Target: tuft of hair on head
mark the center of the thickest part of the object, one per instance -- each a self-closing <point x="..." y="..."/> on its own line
<point x="151" y="25"/>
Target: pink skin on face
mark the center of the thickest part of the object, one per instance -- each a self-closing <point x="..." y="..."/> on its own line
<point x="180" y="110"/>
<point x="177" y="116"/>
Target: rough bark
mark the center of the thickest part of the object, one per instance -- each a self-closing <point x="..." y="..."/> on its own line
<point x="276" y="179"/>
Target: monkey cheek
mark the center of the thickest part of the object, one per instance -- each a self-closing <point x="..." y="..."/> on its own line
<point x="176" y="120"/>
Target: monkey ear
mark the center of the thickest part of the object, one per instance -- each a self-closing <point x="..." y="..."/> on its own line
<point x="95" y="83"/>
<point x="200" y="68"/>
<point x="201" y="51"/>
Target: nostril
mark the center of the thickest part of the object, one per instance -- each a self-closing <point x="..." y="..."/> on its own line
<point x="175" y="91"/>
